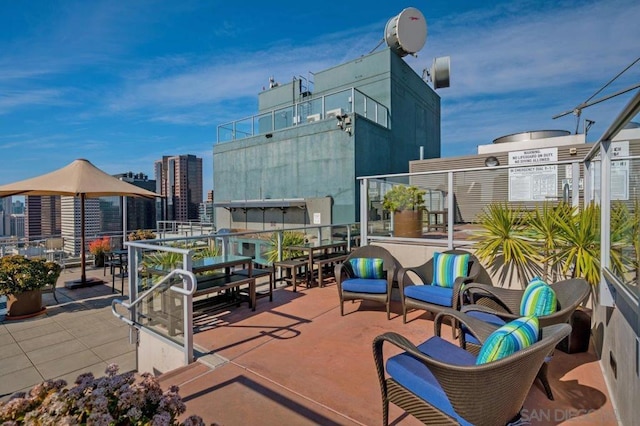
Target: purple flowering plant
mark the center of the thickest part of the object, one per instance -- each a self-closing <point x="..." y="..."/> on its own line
<point x="115" y="399"/>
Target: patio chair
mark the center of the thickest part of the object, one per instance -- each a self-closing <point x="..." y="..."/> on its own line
<point x="354" y="287"/>
<point x="439" y="383"/>
<point x="496" y="306"/>
<point x="434" y="298"/>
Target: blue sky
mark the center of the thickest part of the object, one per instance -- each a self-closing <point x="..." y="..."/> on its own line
<point x="122" y="83"/>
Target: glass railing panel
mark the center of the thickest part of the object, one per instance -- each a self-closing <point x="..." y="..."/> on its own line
<point x="225" y="133"/>
<point x="263" y="123"/>
<point x="382" y="115"/>
<point x="337" y="103"/>
<point x="162" y="311"/>
<point x="309" y="111"/>
<point x="244" y="128"/>
<point x="625" y="222"/>
<point x="360" y="103"/>
<point x="283" y="118"/>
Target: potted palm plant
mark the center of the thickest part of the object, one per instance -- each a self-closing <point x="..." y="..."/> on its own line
<point x="22" y="279"/>
<point x="406" y="203"/>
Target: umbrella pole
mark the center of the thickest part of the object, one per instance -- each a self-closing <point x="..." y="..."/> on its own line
<point x="83" y="261"/>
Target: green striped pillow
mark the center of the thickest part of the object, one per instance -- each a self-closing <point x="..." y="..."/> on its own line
<point x="367" y="267"/>
<point x="508" y="339"/>
<point x="539" y="299"/>
<point x="447" y="267"/>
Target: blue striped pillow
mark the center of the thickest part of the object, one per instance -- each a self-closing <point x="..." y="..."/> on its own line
<point x="539" y="299"/>
<point x="508" y="339"/>
<point x="367" y="267"/>
<point x="447" y="267"/>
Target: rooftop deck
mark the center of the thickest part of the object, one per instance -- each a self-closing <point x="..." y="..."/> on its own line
<point x="293" y="361"/>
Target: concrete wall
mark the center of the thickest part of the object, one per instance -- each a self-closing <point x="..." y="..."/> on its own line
<point x="157" y="357"/>
<point x="615" y="332"/>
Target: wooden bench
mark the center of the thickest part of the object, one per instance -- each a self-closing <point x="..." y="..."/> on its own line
<point x="295" y="268"/>
<point x="328" y="259"/>
<point x="259" y="273"/>
<point x="217" y="283"/>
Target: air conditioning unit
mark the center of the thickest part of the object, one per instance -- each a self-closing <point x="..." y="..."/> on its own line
<point x="296" y="119"/>
<point x="334" y="113"/>
<point x="313" y="117"/>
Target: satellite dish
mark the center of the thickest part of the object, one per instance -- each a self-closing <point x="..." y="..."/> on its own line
<point x="406" y="32"/>
<point x="440" y="71"/>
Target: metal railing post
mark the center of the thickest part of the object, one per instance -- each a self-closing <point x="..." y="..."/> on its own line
<point x="187" y="300"/>
<point x="450" y="211"/>
<point x="364" y="211"/>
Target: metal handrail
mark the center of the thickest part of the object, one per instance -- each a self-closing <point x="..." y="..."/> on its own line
<point x="186" y="292"/>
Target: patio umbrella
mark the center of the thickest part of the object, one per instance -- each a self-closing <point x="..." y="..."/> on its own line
<point x="78" y="179"/>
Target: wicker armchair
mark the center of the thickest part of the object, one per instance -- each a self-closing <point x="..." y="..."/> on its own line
<point x="439" y="383"/>
<point x="496" y="306"/>
<point x="433" y="298"/>
<point x="363" y="289"/>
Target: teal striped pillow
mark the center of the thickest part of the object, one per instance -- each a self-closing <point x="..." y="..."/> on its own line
<point x="508" y="339"/>
<point x="539" y="299"/>
<point x="447" y="267"/>
<point x="367" y="267"/>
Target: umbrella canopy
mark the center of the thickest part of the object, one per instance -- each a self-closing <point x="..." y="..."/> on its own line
<point x="79" y="179"/>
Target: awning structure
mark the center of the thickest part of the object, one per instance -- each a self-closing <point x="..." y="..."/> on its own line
<point x="277" y="203"/>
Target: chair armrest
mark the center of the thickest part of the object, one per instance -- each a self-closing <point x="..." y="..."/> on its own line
<point x="487" y="310"/>
<point x="420" y="271"/>
<point x="508" y="299"/>
<point x="480" y="329"/>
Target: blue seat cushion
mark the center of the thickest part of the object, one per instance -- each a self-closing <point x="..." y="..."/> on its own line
<point x="436" y="295"/>
<point x="482" y="316"/>
<point x="365" y="285"/>
<point x="416" y="377"/>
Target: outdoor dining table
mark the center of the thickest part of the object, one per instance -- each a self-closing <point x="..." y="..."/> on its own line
<point x="225" y="262"/>
<point x="318" y="248"/>
<point x="228" y="280"/>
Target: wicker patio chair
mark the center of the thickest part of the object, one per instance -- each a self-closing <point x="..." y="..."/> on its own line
<point x="433" y="298"/>
<point x="438" y="382"/>
<point x="496" y="306"/>
<point x="352" y="288"/>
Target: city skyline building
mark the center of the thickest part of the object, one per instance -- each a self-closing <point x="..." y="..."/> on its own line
<point x="179" y="182"/>
<point x="42" y="216"/>
<point x="7" y="211"/>
<point x="71" y="222"/>
<point x="33" y="217"/>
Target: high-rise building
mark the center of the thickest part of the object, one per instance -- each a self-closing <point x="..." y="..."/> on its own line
<point x="33" y="217"/>
<point x="71" y="221"/>
<point x="7" y="210"/>
<point x="17" y="225"/>
<point x="179" y="181"/>
<point x="51" y="223"/>
<point x="42" y="216"/>
<point x="141" y="212"/>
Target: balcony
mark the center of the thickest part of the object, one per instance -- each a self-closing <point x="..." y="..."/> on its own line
<point x="306" y="112"/>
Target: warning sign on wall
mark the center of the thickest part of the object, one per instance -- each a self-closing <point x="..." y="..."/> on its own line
<point x="538" y="182"/>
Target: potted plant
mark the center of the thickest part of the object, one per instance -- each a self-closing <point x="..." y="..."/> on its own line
<point x="141" y="234"/>
<point x="406" y="203"/>
<point x="99" y="249"/>
<point x="21" y="280"/>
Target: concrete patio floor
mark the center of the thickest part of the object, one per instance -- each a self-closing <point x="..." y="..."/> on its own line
<point x="293" y="361"/>
<point x="297" y="361"/>
<point x="77" y="335"/>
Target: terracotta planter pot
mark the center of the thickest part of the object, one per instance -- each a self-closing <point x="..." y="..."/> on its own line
<point x="407" y="223"/>
<point x="24" y="305"/>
